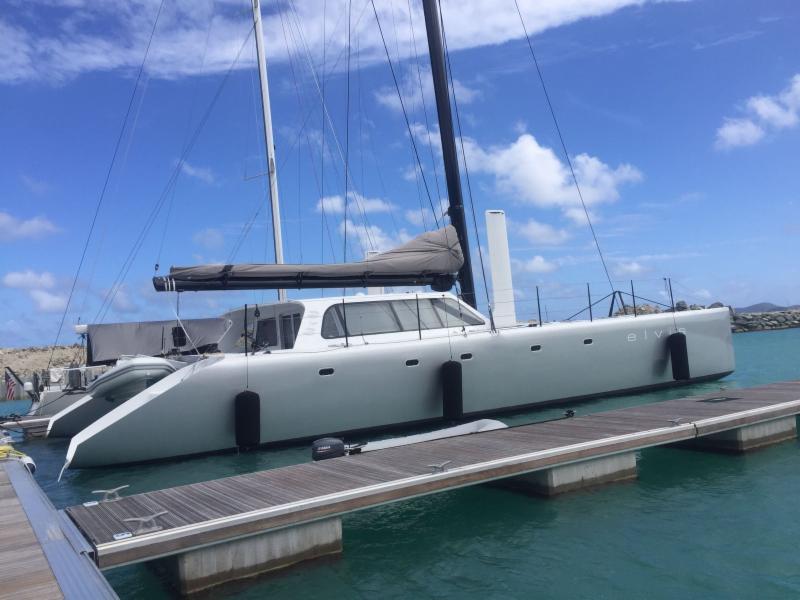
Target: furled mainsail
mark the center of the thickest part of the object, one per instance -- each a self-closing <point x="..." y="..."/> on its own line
<point x="432" y="259"/>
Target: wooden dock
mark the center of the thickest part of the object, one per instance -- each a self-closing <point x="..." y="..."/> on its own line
<point x="192" y="518"/>
<point x="42" y="555"/>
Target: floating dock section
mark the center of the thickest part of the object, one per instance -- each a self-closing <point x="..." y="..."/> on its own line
<point x="240" y="526"/>
<point x="42" y="554"/>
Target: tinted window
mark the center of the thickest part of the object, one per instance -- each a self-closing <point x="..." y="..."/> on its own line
<point x="452" y="315"/>
<point x="267" y="333"/>
<point x="289" y="326"/>
<point x="364" y="318"/>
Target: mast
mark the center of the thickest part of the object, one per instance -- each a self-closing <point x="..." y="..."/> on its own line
<point x="271" y="164"/>
<point x="441" y="91"/>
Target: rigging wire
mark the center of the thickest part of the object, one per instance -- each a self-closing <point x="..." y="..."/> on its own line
<point x="405" y="113"/>
<point x="449" y="67"/>
<point x="347" y="174"/>
<point x="424" y="104"/>
<point x="105" y="183"/>
<point x="347" y="130"/>
<point x="324" y="222"/>
<point x="563" y="145"/>
<point x="186" y="132"/>
<point x="126" y="265"/>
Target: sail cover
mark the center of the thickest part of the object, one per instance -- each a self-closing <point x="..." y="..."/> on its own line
<point x="432" y="259"/>
<point x="106" y="342"/>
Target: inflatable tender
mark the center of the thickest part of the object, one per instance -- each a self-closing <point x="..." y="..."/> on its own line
<point x="114" y="387"/>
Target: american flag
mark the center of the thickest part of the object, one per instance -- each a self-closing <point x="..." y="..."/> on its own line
<point x="11" y="386"/>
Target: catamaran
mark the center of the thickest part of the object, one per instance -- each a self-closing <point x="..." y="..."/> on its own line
<point x="349" y="364"/>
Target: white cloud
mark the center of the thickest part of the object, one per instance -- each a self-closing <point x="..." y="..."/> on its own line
<point x="357" y="204"/>
<point x="373" y="237"/>
<point x="331" y="204"/>
<point x="209" y="238"/>
<point x="204" y="174"/>
<point x="764" y="114"/>
<point x="47" y="301"/>
<point x="13" y="228"/>
<point x="423" y="217"/>
<point x="738" y="132"/>
<point x="34" y="47"/>
<point x="28" y="280"/>
<point x="537" y="264"/>
<point x="534" y="174"/>
<point x="542" y="233"/>
<point x="577" y="215"/>
<point x="629" y="268"/>
<point x="413" y="94"/>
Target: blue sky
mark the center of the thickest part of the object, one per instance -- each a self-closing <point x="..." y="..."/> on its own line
<point x="680" y="117"/>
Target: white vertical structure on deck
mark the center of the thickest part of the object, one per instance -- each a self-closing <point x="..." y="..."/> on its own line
<point x="503" y="307"/>
<point x="271" y="165"/>
<point x="373" y="291"/>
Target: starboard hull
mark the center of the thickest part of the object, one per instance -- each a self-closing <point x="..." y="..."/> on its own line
<point x="368" y="386"/>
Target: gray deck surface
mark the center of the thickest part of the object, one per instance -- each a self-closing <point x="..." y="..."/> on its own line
<point x="206" y="513"/>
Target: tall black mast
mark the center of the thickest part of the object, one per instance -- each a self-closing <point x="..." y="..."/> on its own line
<point x="440" y="88"/>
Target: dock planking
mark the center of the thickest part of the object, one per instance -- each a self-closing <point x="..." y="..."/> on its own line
<point x="42" y="556"/>
<point x="211" y="512"/>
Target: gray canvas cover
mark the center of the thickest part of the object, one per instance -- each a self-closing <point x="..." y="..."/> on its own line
<point x="106" y="342"/>
<point x="429" y="259"/>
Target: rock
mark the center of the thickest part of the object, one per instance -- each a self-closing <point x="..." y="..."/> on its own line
<point x="681" y="305"/>
<point x="716" y="305"/>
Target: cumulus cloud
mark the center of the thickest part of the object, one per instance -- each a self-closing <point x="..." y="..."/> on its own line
<point x="28" y="280"/>
<point x="423" y="217"/>
<point x="46" y="301"/>
<point x="629" y="268"/>
<point x="33" y="47"/>
<point x="537" y="264"/>
<point x="373" y="237"/>
<point x="209" y="237"/>
<point x="542" y="233"/>
<point x="356" y="203"/>
<point x="414" y="94"/>
<point x="39" y="287"/>
<point x="763" y="114"/>
<point x="13" y="228"/>
<point x="532" y="173"/>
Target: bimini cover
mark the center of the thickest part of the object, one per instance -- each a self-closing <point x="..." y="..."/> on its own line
<point x="107" y="342"/>
<point x="432" y="259"/>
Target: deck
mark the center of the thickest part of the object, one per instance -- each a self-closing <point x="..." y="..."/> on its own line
<point x="42" y="555"/>
<point x="203" y="514"/>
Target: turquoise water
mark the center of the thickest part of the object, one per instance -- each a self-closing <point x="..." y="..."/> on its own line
<point x="693" y="525"/>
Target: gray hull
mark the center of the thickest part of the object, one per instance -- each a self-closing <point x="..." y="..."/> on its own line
<point x="374" y="385"/>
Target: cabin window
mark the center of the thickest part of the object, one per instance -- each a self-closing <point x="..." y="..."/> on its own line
<point x="366" y="318"/>
<point x="289" y="326"/>
<point x="267" y="333"/>
<point x="452" y="315"/>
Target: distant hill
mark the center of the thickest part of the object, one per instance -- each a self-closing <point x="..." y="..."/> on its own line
<point x="765" y="307"/>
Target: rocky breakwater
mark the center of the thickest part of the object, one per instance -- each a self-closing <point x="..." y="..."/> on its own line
<point x="761" y="321"/>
